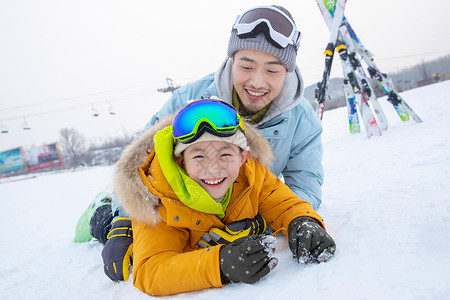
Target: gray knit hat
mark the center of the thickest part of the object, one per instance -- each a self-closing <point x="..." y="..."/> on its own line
<point x="259" y="42"/>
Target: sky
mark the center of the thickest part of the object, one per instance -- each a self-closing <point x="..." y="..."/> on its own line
<point x="61" y="61"/>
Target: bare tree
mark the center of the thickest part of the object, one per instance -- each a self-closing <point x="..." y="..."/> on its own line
<point x="423" y="71"/>
<point x="72" y="144"/>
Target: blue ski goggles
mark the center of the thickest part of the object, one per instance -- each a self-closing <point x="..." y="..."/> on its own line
<point x="278" y="27"/>
<point x="207" y="115"/>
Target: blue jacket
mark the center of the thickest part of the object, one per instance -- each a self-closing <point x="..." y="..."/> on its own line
<point x="290" y="125"/>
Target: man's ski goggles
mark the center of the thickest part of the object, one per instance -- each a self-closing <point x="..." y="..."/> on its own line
<point x="278" y="28"/>
<point x="214" y="116"/>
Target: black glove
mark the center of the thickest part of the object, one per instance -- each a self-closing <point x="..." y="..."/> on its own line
<point x="234" y="231"/>
<point x="118" y="251"/>
<point x="309" y="242"/>
<point x="247" y="259"/>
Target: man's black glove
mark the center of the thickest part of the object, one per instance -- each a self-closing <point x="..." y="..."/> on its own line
<point x="309" y="242"/>
<point x="118" y="251"/>
<point x="247" y="259"/>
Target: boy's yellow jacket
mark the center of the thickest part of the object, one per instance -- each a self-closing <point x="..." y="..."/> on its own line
<point x="166" y="258"/>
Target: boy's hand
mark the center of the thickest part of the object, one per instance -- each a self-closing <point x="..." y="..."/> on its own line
<point x="233" y="231"/>
<point x="247" y="259"/>
<point x="309" y="242"/>
<point x="118" y="251"/>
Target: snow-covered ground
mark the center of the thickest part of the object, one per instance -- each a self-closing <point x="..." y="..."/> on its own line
<point x="386" y="202"/>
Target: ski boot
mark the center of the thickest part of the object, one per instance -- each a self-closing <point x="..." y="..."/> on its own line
<point x="94" y="219"/>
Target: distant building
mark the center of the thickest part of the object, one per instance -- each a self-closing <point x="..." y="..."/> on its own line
<point x="425" y="82"/>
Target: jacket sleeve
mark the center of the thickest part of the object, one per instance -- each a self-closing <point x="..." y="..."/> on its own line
<point x="304" y="172"/>
<point x="279" y="205"/>
<point x="162" y="266"/>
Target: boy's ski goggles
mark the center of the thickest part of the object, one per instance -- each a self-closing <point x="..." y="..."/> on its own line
<point x="278" y="28"/>
<point x="214" y="116"/>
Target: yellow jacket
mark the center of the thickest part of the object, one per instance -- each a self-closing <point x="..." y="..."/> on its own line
<point x="167" y="259"/>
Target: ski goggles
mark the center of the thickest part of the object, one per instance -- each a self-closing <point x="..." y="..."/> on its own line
<point x="278" y="27"/>
<point x="214" y="116"/>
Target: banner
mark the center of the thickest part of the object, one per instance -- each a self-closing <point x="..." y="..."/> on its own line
<point x="12" y="161"/>
<point x="44" y="157"/>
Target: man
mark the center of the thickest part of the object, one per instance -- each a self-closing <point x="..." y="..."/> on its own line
<point x="260" y="78"/>
<point x="262" y="81"/>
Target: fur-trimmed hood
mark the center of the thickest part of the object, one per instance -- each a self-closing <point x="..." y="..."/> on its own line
<point x="134" y="196"/>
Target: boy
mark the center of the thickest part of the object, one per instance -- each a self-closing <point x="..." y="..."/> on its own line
<point x="261" y="80"/>
<point x="205" y="172"/>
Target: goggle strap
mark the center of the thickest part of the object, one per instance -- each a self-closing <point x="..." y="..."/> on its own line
<point x="235" y="21"/>
<point x="297" y="38"/>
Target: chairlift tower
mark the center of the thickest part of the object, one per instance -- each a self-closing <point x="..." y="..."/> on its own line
<point x="170" y="86"/>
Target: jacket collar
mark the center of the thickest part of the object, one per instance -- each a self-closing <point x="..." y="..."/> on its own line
<point x="187" y="190"/>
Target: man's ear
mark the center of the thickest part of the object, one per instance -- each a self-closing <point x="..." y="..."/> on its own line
<point x="245" y="154"/>
<point x="179" y="160"/>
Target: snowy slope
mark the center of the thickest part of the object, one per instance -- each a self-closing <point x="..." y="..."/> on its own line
<point x="386" y="203"/>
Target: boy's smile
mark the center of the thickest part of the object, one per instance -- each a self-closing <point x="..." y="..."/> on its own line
<point x="214" y="182"/>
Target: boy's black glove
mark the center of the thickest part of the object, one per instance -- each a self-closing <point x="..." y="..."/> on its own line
<point x="234" y="231"/>
<point x="247" y="259"/>
<point x="118" y="251"/>
<point x="309" y="242"/>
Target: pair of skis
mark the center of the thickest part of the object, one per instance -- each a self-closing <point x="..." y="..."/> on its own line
<point x="357" y="88"/>
<point x="333" y="13"/>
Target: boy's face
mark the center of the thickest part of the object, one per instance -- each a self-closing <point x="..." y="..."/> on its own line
<point x="258" y="78"/>
<point x="214" y="165"/>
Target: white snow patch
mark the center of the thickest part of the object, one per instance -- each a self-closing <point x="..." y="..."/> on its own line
<point x="386" y="203"/>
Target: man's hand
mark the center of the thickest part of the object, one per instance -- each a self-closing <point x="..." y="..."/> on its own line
<point x="309" y="242"/>
<point x="247" y="259"/>
<point x="118" y="251"/>
<point x="233" y="231"/>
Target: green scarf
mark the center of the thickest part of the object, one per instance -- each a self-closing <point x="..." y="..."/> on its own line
<point x="188" y="191"/>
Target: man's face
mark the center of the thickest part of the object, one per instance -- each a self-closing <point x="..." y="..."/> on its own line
<point x="214" y="165"/>
<point x="258" y="78"/>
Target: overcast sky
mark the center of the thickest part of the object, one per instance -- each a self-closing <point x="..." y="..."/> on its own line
<point x="60" y="60"/>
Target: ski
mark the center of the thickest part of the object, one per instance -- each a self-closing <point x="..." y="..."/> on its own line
<point x="369" y="121"/>
<point x="351" y="108"/>
<point x="400" y="105"/>
<point x="394" y="94"/>
<point x="321" y="90"/>
<point x="363" y="79"/>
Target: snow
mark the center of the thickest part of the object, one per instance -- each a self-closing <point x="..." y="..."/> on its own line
<point x="386" y="202"/>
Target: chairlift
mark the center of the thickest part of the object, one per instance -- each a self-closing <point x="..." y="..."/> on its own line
<point x="25" y="125"/>
<point x="111" y="110"/>
<point x="3" y="128"/>
<point x="94" y="111"/>
<point x="170" y="86"/>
